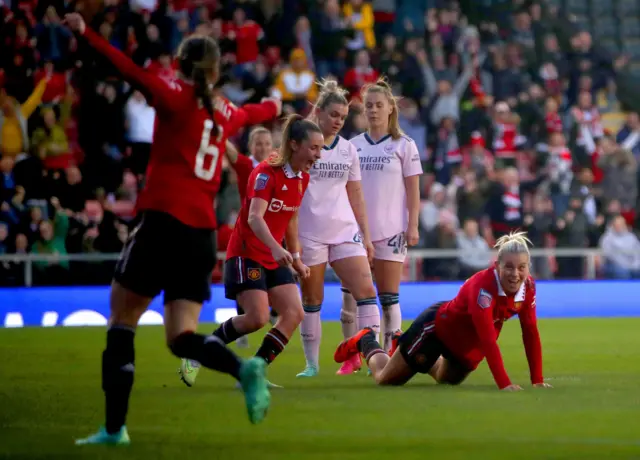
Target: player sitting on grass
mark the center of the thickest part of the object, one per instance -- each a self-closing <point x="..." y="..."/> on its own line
<point x="449" y="339"/>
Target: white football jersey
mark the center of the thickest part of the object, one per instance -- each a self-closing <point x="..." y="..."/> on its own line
<point x="325" y="214"/>
<point x="384" y="165"/>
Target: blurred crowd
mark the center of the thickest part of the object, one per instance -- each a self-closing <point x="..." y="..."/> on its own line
<point x="508" y="122"/>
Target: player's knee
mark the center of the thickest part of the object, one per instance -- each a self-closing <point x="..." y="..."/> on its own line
<point x="296" y="315"/>
<point x="366" y="291"/>
<point x="388" y="299"/>
<point x="256" y="319"/>
<point x="312" y="299"/>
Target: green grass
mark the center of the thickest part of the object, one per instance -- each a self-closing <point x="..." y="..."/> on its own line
<point x="50" y="394"/>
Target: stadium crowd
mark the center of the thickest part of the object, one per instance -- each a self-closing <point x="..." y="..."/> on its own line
<point x="509" y="125"/>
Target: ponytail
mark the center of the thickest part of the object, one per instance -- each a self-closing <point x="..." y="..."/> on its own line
<point x="198" y="59"/>
<point x="295" y="129"/>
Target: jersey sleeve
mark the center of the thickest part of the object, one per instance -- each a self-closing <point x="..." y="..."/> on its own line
<point x="158" y="92"/>
<point x="481" y="304"/>
<point x="250" y="114"/>
<point x="354" y="170"/>
<point x="531" y="337"/>
<point x="261" y="185"/>
<point x="411" y="165"/>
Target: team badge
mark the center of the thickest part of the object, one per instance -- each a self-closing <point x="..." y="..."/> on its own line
<point x="517" y="306"/>
<point x="388" y="149"/>
<point x="261" y="181"/>
<point x="344" y="153"/>
<point x="420" y="358"/>
<point x="254" y="274"/>
<point x="484" y="299"/>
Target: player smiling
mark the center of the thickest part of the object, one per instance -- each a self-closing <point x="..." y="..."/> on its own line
<point x="258" y="268"/>
<point x="448" y="340"/>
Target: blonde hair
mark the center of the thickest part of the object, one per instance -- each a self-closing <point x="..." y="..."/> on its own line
<point x="330" y="93"/>
<point x="295" y="129"/>
<point x="383" y="87"/>
<point x="513" y="243"/>
<point x="255" y="132"/>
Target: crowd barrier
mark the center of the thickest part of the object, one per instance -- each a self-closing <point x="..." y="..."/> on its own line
<point x="89" y="306"/>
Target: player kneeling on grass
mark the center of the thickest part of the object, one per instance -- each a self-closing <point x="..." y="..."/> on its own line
<point x="258" y="270"/>
<point x="449" y="339"/>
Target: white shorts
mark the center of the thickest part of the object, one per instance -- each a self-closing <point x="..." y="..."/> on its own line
<point x="393" y="248"/>
<point x="315" y="253"/>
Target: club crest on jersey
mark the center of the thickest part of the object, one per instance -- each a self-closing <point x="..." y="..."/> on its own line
<point x="344" y="153"/>
<point x="517" y="306"/>
<point x="388" y="149"/>
<point x="484" y="299"/>
<point x="261" y="181"/>
<point x="254" y="274"/>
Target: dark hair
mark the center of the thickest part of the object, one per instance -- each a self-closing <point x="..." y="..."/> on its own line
<point x="296" y="129"/>
<point x="198" y="59"/>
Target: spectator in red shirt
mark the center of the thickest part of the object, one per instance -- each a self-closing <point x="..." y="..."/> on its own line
<point x="247" y="36"/>
<point x="360" y="74"/>
<point x="57" y="86"/>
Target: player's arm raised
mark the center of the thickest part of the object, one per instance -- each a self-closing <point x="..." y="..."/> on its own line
<point x="231" y="152"/>
<point x="532" y="343"/>
<point x="482" y="316"/>
<point x="253" y="114"/>
<point x="260" y="195"/>
<point x="156" y="90"/>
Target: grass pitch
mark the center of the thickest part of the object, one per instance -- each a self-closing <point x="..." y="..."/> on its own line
<point x="50" y="394"/>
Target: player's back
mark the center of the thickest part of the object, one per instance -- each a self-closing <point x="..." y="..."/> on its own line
<point x="184" y="171"/>
<point x="454" y="322"/>
<point x="325" y="213"/>
<point x="384" y="165"/>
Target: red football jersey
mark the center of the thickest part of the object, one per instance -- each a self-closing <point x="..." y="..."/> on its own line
<point x="469" y="325"/>
<point x="243" y="167"/>
<point x="185" y="165"/>
<point x="283" y="190"/>
<point x="246" y="37"/>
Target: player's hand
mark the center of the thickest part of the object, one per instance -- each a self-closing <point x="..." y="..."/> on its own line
<point x="368" y="245"/>
<point x="542" y="385"/>
<point x="512" y="388"/>
<point x="412" y="236"/>
<point x="282" y="256"/>
<point x="301" y="269"/>
<point x="75" y="22"/>
<point x="277" y="102"/>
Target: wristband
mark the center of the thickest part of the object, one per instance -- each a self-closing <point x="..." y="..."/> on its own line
<point x="295" y="255"/>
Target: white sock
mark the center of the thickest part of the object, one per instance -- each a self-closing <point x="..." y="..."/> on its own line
<point x="368" y="315"/>
<point x="392" y="316"/>
<point x="311" y="332"/>
<point x="348" y="314"/>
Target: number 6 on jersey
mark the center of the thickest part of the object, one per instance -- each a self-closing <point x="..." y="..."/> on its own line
<point x="204" y="151"/>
